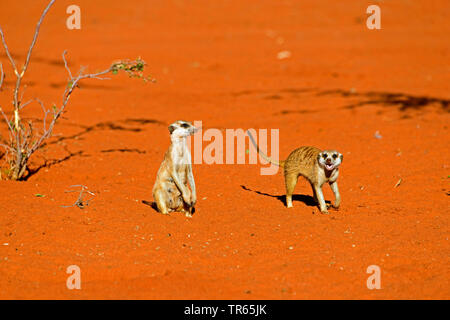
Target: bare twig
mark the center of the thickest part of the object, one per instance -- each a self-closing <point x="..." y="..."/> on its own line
<point x="73" y="83"/>
<point x="6" y="120"/>
<point x="23" y="140"/>
<point x="7" y="50"/>
<point x="23" y="105"/>
<point x="2" y="75"/>
<point x="80" y="203"/>
<point x="6" y="147"/>
<point x="36" y="33"/>
<point x="20" y="161"/>
<point x="25" y="66"/>
<point x="46" y="111"/>
<point x="65" y="64"/>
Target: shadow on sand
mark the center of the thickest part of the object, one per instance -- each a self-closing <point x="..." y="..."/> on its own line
<point x="307" y="200"/>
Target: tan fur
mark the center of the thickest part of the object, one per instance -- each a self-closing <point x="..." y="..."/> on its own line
<point x="171" y="191"/>
<point x="310" y="163"/>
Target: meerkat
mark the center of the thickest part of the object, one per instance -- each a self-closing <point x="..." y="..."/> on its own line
<point x="317" y="166"/>
<point x="171" y="192"/>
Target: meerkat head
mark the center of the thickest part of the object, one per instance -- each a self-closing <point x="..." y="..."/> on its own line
<point x="180" y="129"/>
<point x="330" y="159"/>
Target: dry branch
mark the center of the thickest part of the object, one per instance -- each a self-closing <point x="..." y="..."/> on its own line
<point x="23" y="141"/>
<point x="80" y="202"/>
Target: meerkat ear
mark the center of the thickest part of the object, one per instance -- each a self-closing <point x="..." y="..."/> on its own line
<point x="342" y="157"/>
<point x="172" y="128"/>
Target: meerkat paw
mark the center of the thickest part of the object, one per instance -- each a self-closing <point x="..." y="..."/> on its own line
<point x="324" y="211"/>
<point x="188" y="214"/>
<point x="336" y="206"/>
<point x="289" y="203"/>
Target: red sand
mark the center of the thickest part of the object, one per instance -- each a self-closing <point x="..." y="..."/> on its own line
<point x="216" y="61"/>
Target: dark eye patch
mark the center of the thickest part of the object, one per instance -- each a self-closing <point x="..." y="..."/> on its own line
<point x="325" y="155"/>
<point x="334" y="156"/>
<point x="185" y="125"/>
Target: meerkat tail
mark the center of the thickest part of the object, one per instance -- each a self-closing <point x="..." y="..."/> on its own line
<point x="267" y="158"/>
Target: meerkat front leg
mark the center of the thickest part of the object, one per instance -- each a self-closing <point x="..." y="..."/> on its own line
<point x="337" y="196"/>
<point x="183" y="189"/>
<point x="185" y="207"/>
<point x="191" y="181"/>
<point x="321" y="199"/>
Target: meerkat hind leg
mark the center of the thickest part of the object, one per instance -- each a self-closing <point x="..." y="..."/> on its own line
<point x="291" y="181"/>
<point x="188" y="210"/>
<point x="314" y="194"/>
<point x="187" y="207"/>
<point x="184" y="208"/>
<point x="161" y="203"/>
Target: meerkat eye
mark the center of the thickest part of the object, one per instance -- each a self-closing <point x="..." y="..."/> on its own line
<point x="334" y="156"/>
<point x="324" y="155"/>
<point x="185" y="125"/>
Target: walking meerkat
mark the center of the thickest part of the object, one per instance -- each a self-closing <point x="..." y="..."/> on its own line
<point x="317" y="166"/>
<point x="171" y="192"/>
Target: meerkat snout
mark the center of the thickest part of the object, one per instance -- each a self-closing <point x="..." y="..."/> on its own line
<point x="330" y="159"/>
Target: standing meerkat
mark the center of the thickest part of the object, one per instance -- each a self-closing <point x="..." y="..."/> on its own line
<point x="317" y="166"/>
<point x="171" y="191"/>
